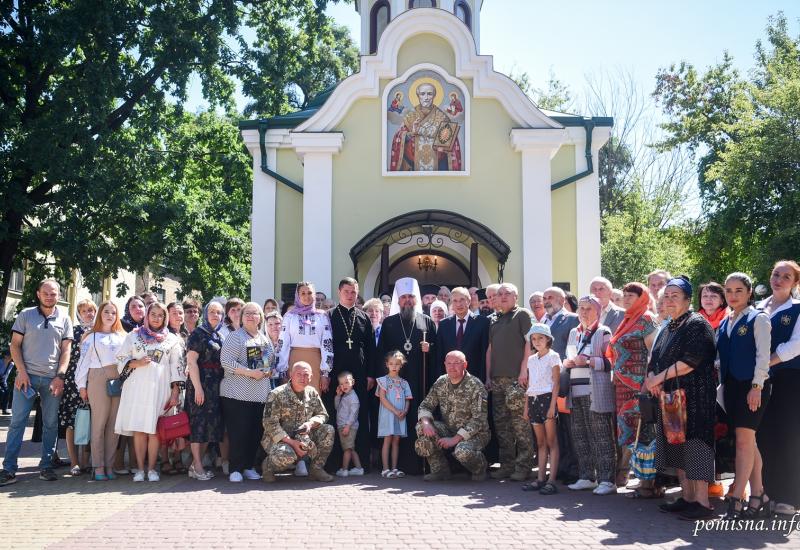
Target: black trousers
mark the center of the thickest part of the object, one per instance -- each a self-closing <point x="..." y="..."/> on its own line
<point x="244" y="422"/>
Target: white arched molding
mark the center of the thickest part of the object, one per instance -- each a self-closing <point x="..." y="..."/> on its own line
<point x="486" y="82"/>
<point x="396" y="250"/>
<point x="467" y="114"/>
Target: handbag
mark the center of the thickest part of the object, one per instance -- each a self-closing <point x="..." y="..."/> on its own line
<point x="83" y="425"/>
<point x="643" y="457"/>
<point x="113" y="385"/>
<point x="170" y="428"/>
<point x="673" y="412"/>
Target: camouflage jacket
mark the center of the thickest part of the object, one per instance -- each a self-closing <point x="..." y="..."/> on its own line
<point x="284" y="412"/>
<point x="463" y="406"/>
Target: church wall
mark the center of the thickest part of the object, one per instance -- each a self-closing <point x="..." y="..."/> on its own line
<point x="565" y="261"/>
<point x="288" y="223"/>
<point x="364" y="199"/>
<point x="426" y="48"/>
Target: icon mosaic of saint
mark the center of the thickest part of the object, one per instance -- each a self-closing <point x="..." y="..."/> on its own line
<point x="427" y="139"/>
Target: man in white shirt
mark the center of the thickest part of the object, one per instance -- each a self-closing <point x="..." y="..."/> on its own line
<point x="611" y="315"/>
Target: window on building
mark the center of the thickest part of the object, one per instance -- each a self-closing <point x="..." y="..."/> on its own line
<point x="463" y="13"/>
<point x="17" y="280"/>
<point x="421" y="4"/>
<point x="379" y="18"/>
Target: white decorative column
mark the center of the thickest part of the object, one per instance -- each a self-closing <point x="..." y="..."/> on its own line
<point x="262" y="221"/>
<point x="316" y="151"/>
<point x="537" y="146"/>
<point x="587" y="208"/>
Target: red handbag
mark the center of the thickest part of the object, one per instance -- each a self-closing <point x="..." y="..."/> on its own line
<point x="170" y="428"/>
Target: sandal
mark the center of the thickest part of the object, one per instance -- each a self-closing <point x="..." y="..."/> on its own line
<point x="75" y="471"/>
<point x="734" y="511"/>
<point x="399" y="473"/>
<point x="548" y="488"/>
<point x="386" y="473"/>
<point x="646" y="493"/>
<point x="764" y="509"/>
<point x="167" y="469"/>
<point x="533" y="485"/>
<point x="392" y="474"/>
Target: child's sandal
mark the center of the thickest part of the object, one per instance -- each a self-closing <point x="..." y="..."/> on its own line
<point x="392" y="474"/>
<point x="386" y="473"/>
<point x="533" y="485"/>
<point x="548" y="489"/>
<point x="399" y="473"/>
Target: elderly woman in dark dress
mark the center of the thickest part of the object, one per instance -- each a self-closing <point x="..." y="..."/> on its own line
<point x="685" y="350"/>
<point x="203" y="403"/>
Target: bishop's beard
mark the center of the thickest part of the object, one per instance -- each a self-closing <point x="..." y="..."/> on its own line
<point x="407" y="313"/>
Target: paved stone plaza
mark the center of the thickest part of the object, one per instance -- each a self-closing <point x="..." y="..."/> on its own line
<point x="369" y="512"/>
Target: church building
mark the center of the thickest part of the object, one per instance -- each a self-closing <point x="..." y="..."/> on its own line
<point x="425" y="163"/>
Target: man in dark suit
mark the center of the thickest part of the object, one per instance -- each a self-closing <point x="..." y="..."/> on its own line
<point x="561" y="323"/>
<point x="463" y="332"/>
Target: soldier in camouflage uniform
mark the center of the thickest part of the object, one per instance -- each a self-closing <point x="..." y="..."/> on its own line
<point x="294" y="427"/>
<point x="464" y="428"/>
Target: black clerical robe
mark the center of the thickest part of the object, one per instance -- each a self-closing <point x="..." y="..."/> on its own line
<point x="394" y="334"/>
<point x="356" y="356"/>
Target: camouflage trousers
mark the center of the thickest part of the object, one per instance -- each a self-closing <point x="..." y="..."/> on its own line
<point x="469" y="453"/>
<point x="280" y="456"/>
<point x="514" y="435"/>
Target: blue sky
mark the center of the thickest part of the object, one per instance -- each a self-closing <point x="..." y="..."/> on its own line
<point x="573" y="38"/>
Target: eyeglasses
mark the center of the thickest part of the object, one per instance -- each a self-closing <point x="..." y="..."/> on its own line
<point x="252" y="314"/>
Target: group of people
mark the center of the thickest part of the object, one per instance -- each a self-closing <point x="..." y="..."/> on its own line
<point x="617" y="381"/>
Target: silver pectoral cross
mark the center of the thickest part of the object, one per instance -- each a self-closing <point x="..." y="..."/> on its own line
<point x="349" y="342"/>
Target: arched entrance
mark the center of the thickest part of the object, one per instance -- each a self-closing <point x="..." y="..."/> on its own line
<point x="437" y="247"/>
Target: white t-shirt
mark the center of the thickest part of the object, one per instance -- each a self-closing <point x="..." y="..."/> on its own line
<point x="540" y="372"/>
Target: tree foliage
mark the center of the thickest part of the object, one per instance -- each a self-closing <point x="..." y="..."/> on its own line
<point x="746" y="133"/>
<point x="93" y="138"/>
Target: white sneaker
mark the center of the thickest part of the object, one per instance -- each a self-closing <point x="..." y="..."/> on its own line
<point x="251" y="474"/>
<point x="235" y="477"/>
<point x="301" y="470"/>
<point x="356" y="471"/>
<point x="138" y="475"/>
<point x="582" y="485"/>
<point x="605" y="488"/>
<point x="341" y="472"/>
<point x="152" y="475"/>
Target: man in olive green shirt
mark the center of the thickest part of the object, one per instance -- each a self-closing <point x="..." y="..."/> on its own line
<point x="507" y="378"/>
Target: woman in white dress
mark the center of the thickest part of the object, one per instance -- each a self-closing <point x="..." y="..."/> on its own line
<point x="153" y="356"/>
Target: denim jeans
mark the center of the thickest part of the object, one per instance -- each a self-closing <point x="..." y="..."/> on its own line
<point x="20" y="411"/>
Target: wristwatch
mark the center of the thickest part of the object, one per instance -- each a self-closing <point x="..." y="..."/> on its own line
<point x="61" y="375"/>
<point x="756" y="386"/>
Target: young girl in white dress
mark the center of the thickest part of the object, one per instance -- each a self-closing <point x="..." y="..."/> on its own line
<point x="395" y="396"/>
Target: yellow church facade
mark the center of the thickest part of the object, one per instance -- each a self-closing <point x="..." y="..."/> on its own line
<point x="425" y="163"/>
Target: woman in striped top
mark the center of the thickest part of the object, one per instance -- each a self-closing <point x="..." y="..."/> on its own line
<point x="247" y="359"/>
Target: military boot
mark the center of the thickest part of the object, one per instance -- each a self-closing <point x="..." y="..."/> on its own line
<point x="316" y="473"/>
<point x="442" y="475"/>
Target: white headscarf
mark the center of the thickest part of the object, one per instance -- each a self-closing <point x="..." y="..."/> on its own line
<point x="440" y="304"/>
<point x="406" y="285"/>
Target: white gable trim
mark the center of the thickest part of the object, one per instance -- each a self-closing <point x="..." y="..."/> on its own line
<point x="487" y="83"/>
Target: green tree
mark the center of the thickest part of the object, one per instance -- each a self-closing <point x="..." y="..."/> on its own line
<point x="87" y="91"/>
<point x="634" y="243"/>
<point x="555" y="96"/>
<point x="298" y="52"/>
<point x="746" y="134"/>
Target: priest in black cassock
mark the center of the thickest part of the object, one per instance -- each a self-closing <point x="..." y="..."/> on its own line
<point x="413" y="333"/>
<point x="353" y="351"/>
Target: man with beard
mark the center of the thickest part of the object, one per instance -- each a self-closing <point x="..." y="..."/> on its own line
<point x="353" y="351"/>
<point x="427" y="300"/>
<point x="484" y="307"/>
<point x="411" y="332"/>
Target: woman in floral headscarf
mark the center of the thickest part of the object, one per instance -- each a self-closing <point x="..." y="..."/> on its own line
<point x="153" y="357"/>
<point x="628" y="351"/>
<point x="306" y="336"/>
